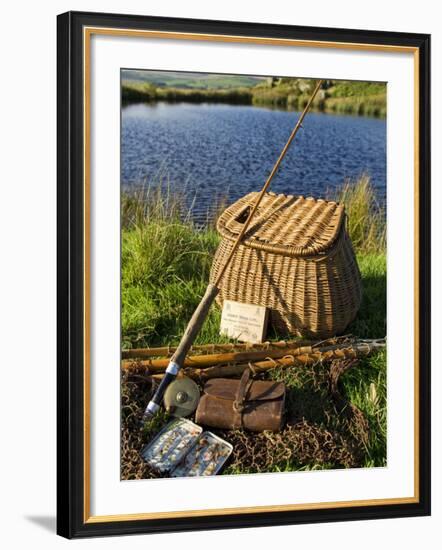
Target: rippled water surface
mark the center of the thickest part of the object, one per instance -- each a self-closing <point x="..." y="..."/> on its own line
<point x="225" y="151"/>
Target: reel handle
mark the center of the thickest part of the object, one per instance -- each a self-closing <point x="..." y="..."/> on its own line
<point x="187" y="340"/>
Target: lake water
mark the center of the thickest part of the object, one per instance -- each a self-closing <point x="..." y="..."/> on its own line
<point x="218" y="151"/>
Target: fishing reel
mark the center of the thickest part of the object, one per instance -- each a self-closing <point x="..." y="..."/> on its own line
<point x="181" y="397"/>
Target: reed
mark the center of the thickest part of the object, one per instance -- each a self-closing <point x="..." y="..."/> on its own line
<point x="366" y="219"/>
<point x="165" y="264"/>
<point x="373" y="106"/>
<point x="238" y="96"/>
<point x="154" y="202"/>
<point x="147" y="92"/>
<point x="136" y="91"/>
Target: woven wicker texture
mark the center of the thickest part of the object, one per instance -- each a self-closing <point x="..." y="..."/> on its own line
<point x="296" y="259"/>
<point x="294" y="226"/>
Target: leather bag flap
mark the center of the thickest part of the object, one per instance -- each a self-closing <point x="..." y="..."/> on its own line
<point x="257" y="390"/>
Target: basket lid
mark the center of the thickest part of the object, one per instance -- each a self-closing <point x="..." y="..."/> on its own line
<point x="284" y="224"/>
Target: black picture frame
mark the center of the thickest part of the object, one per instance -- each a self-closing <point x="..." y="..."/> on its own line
<point x="71" y="520"/>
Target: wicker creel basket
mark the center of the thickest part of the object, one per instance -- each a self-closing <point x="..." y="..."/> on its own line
<point x="296" y="258"/>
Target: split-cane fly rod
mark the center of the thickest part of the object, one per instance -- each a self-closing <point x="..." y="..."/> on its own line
<point x="212" y="290"/>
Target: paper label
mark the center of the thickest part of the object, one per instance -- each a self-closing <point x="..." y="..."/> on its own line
<point x="245" y="322"/>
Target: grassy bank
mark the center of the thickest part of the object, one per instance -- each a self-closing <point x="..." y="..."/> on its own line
<point x="136" y="91"/>
<point x="342" y="97"/>
<point x="165" y="268"/>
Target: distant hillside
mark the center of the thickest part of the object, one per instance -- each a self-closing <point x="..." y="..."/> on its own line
<point x="202" y="81"/>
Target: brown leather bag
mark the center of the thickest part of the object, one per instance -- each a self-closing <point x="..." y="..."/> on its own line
<point x="250" y="404"/>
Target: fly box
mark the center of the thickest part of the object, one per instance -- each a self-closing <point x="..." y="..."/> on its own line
<point x="167" y="449"/>
<point x="182" y="449"/>
<point x="206" y="457"/>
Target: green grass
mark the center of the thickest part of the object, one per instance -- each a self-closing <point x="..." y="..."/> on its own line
<point x="353" y="88"/>
<point x="366" y="387"/>
<point x="341" y="97"/>
<point x="365" y="218"/>
<point x="165" y="268"/>
<point x="165" y="271"/>
<point x="371" y="320"/>
<point x="166" y="262"/>
<point x="374" y="105"/>
<point x="362" y="98"/>
<point x="142" y="91"/>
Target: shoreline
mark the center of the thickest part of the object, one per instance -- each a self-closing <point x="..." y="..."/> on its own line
<point x="280" y="98"/>
<point x="267" y="106"/>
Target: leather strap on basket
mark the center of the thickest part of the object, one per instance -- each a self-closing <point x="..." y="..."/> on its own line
<point x="240" y="398"/>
